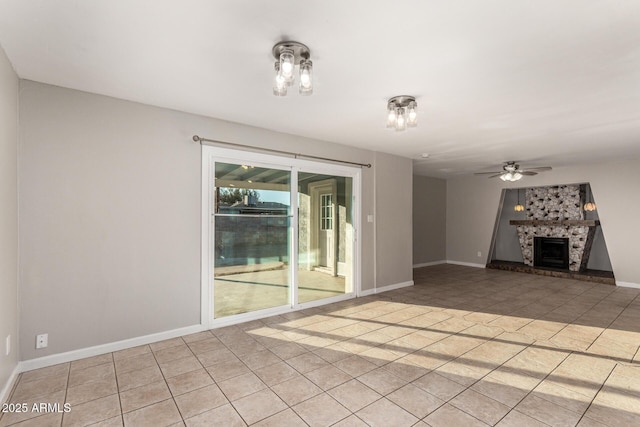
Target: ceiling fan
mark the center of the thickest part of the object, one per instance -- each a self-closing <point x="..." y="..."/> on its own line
<point x="511" y="172"/>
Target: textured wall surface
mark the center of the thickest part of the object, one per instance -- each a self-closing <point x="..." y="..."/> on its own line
<point x="429" y="220"/>
<point x="8" y="218"/>
<point x="556" y="202"/>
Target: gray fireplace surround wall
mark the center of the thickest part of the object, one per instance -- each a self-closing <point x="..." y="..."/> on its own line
<point x="552" y="211"/>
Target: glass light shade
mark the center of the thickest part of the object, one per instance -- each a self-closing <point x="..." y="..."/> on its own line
<point x="401" y="119"/>
<point x="589" y="206"/>
<point x="412" y="115"/>
<point x="287" y="65"/>
<point x="516" y="176"/>
<point x="279" y="84"/>
<point x="306" y="77"/>
<point x="391" y="116"/>
<point x="506" y="176"/>
<point x="518" y="208"/>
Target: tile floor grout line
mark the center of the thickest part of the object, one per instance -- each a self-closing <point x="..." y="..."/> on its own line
<point x="115" y="374"/>
<point x="478" y="380"/>
<point x="575" y="319"/>
<point x="610" y="323"/>
<point x="636" y="356"/>
<point x="596" y="394"/>
<point x="66" y="392"/>
<point x="222" y="391"/>
<point x="164" y="378"/>
<point x="166" y="383"/>
<point x="536" y="386"/>
<point x="570" y="353"/>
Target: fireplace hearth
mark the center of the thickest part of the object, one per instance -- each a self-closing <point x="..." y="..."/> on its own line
<point x="551" y="252"/>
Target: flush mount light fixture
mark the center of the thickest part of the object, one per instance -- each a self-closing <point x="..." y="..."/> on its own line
<point x="288" y="55"/>
<point x="401" y="112"/>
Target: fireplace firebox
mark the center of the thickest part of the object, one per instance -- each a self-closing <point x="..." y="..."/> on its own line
<point x="551" y="252"/>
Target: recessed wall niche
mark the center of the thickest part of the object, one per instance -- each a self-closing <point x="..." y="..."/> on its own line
<point x="555" y="212"/>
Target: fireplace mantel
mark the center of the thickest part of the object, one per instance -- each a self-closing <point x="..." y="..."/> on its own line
<point x="552" y="222"/>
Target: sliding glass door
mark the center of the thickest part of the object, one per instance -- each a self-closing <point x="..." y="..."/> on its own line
<point x="280" y="236"/>
<point x="252" y="235"/>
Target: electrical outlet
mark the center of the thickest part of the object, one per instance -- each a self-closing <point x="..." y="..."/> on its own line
<point x="369" y="218"/>
<point x="479" y="254"/>
<point x="7" y="345"/>
<point x="42" y="340"/>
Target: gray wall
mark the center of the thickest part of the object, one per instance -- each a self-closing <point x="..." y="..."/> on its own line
<point x="599" y="258"/>
<point x="472" y="207"/>
<point x="110" y="215"/>
<point x="393" y="219"/>
<point x="507" y="245"/>
<point x="8" y="217"/>
<point x="429" y="219"/>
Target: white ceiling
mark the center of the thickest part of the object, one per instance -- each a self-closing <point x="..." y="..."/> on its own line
<point x="544" y="82"/>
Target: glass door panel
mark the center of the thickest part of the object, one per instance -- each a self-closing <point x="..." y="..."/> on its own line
<point x="252" y="233"/>
<point x="325" y="236"/>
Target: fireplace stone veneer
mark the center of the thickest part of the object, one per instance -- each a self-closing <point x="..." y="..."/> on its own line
<point x="580" y="241"/>
<point x="556" y="212"/>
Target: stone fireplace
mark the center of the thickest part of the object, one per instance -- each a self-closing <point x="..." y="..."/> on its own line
<point x="556" y="212"/>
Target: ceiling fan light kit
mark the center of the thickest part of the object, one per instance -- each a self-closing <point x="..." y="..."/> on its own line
<point x="511" y="176"/>
<point x="511" y="172"/>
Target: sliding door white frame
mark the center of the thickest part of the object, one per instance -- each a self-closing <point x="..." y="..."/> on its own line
<point x="211" y="155"/>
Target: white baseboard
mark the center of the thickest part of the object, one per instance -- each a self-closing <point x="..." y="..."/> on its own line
<point x="466" y="264"/>
<point x="628" y="284"/>
<point x="4" y="393"/>
<point x="386" y="288"/>
<point x="429" y="264"/>
<point x="69" y="356"/>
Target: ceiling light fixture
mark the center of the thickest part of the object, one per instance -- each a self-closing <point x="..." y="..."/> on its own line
<point x="401" y="112"/>
<point x="289" y="54"/>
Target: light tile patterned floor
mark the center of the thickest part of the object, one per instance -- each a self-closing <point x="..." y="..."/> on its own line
<point x="464" y="346"/>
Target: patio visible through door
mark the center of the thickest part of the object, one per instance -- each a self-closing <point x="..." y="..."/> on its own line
<point x="280" y="236"/>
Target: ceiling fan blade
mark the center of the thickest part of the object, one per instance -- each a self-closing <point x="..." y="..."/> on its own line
<point x="541" y="169"/>
<point x="489" y="173"/>
<point x="496" y="175"/>
<point x="528" y="172"/>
